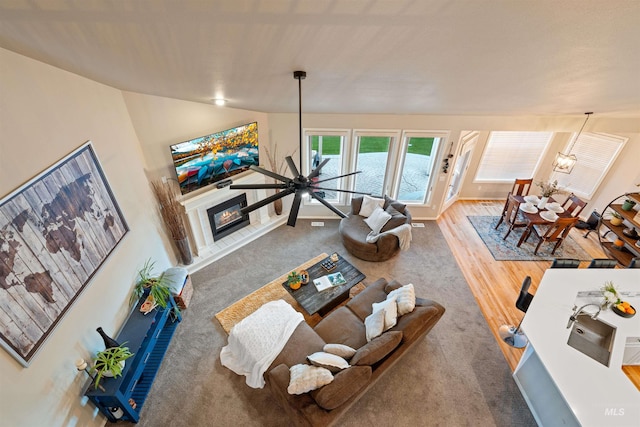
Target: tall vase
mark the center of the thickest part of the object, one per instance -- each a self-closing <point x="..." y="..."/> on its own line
<point x="543" y="202"/>
<point x="185" y="251"/>
<point x="277" y="205"/>
<point x="108" y="341"/>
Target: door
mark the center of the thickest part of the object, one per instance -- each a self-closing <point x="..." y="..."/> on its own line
<point x="460" y="168"/>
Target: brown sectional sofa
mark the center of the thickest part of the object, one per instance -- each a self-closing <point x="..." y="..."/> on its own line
<point x="353" y="231"/>
<point x="345" y="325"/>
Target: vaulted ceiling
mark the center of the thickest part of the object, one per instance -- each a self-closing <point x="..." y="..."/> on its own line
<point x="500" y="57"/>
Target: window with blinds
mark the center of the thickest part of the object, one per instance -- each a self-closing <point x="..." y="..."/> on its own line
<point x="510" y="155"/>
<point x="596" y="153"/>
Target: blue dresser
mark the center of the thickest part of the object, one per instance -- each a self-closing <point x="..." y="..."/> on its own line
<point x="148" y="337"/>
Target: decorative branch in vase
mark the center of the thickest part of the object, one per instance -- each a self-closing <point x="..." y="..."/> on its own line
<point x="278" y="168"/>
<point x="548" y="189"/>
<point x="172" y="214"/>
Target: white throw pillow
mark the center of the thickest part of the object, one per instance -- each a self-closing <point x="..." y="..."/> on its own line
<point x="327" y="360"/>
<point x="378" y="219"/>
<point x="341" y="350"/>
<point x="369" y="204"/>
<point x="390" y="308"/>
<point x="374" y="324"/>
<point x="405" y="298"/>
<point x="304" y="378"/>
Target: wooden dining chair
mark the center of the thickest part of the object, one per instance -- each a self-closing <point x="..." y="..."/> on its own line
<point x="602" y="263"/>
<point x="565" y="263"/>
<point x="512" y="216"/>
<point x="574" y="205"/>
<point x="520" y="187"/>
<point x="634" y="263"/>
<point x="556" y="232"/>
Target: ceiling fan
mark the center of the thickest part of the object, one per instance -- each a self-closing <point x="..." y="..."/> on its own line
<point x="299" y="185"/>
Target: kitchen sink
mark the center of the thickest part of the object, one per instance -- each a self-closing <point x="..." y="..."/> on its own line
<point x="592" y="337"/>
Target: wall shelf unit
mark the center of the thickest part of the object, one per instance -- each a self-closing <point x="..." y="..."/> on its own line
<point x="629" y="250"/>
<point x="148" y="337"/>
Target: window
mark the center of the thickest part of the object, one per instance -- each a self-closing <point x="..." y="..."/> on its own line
<point x="326" y="144"/>
<point x="595" y="153"/>
<point x="416" y="166"/>
<point x="372" y="160"/>
<point x="510" y="155"/>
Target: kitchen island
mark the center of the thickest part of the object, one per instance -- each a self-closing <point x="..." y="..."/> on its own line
<point x="562" y="386"/>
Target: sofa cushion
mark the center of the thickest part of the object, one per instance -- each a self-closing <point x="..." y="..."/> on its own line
<point x="362" y="303"/>
<point x="341" y="350"/>
<point x="328" y="361"/>
<point x="344" y="385"/>
<point x="304" y="378"/>
<point x="392" y="286"/>
<point x="377" y="349"/>
<point x="377" y="219"/>
<point x="413" y="323"/>
<point x="405" y="299"/>
<point x="356" y="205"/>
<point x="369" y="204"/>
<point x="303" y="342"/>
<point x="396" y="220"/>
<point x="390" y="307"/>
<point x="374" y="324"/>
<point x="388" y="201"/>
<point x="342" y="327"/>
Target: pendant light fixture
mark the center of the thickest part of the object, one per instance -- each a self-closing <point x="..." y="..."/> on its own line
<point x="564" y="163"/>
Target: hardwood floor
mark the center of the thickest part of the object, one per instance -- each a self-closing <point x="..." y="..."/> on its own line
<point x="496" y="284"/>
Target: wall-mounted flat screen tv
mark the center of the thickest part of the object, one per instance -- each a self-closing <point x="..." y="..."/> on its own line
<point x="207" y="159"/>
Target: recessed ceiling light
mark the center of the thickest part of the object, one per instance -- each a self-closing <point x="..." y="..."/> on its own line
<point x="219" y="101"/>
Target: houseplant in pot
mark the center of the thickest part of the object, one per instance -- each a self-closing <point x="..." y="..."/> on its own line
<point x="173" y="216"/>
<point x="156" y="287"/>
<point x="616" y="218"/>
<point x="628" y="204"/>
<point x="110" y="362"/>
<point x="278" y="168"/>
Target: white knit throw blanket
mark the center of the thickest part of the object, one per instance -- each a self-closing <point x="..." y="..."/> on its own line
<point x="255" y="341"/>
<point x="403" y="232"/>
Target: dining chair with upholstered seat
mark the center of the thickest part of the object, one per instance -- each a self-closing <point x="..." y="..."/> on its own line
<point x="603" y="263"/>
<point x="565" y="263"/>
<point x="574" y="205"/>
<point x="556" y="232"/>
<point x="520" y="187"/>
<point x="511" y="216"/>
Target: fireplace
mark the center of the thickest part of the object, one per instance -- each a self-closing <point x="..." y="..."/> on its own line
<point x="225" y="218"/>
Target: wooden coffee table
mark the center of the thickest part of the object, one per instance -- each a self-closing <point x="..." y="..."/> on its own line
<point x="325" y="301"/>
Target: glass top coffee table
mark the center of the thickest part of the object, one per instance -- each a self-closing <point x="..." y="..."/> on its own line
<point x="324" y="301"/>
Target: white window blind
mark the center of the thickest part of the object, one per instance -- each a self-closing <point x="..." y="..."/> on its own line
<point x="595" y="153"/>
<point x="510" y="155"/>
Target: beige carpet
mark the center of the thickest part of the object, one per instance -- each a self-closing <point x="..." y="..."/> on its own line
<point x="272" y="291"/>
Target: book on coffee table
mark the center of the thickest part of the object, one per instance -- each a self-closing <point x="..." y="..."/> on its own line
<point x="328" y="281"/>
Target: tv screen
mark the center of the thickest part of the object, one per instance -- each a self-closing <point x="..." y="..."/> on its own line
<point x="207" y="159"/>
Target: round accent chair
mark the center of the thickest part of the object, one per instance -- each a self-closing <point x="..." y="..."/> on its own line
<point x="354" y="230"/>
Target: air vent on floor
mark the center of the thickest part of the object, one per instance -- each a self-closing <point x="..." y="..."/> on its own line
<point x="417" y="225"/>
<point x="317" y="224"/>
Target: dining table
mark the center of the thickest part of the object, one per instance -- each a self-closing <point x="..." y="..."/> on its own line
<point x="534" y="218"/>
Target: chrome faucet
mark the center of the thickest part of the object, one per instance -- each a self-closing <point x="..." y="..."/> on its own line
<point x="577" y="311"/>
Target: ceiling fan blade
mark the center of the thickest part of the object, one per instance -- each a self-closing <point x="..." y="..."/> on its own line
<point x="337" y="189"/>
<point x="340" y="176"/>
<point x="316" y="171"/>
<point x="269" y="173"/>
<point x="292" y="166"/>
<point x="264" y="202"/>
<point x="256" y="186"/>
<point x="295" y="207"/>
<point x="329" y="205"/>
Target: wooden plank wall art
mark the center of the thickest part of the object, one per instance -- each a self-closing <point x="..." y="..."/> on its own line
<point x="55" y="232"/>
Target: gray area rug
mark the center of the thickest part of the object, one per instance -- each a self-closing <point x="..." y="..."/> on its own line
<point x="506" y="250"/>
<point x="456" y="376"/>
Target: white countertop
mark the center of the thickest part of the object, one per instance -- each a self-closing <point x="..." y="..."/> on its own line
<point x="589" y="388"/>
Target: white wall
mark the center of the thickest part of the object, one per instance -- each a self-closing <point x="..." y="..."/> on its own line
<point x="45" y="114"/>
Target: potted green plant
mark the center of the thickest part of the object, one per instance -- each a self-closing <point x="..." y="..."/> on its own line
<point x="110" y="362"/>
<point x="294" y="280"/>
<point x="157" y="286"/>
<point x="616" y="218"/>
<point x="628" y="204"/>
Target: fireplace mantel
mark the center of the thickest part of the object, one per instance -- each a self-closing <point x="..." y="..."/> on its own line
<point x="206" y="250"/>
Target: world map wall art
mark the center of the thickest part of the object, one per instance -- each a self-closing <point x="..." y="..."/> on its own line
<point x="55" y="233"/>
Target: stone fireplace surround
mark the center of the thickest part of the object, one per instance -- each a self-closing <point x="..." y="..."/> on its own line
<point x="205" y="249"/>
